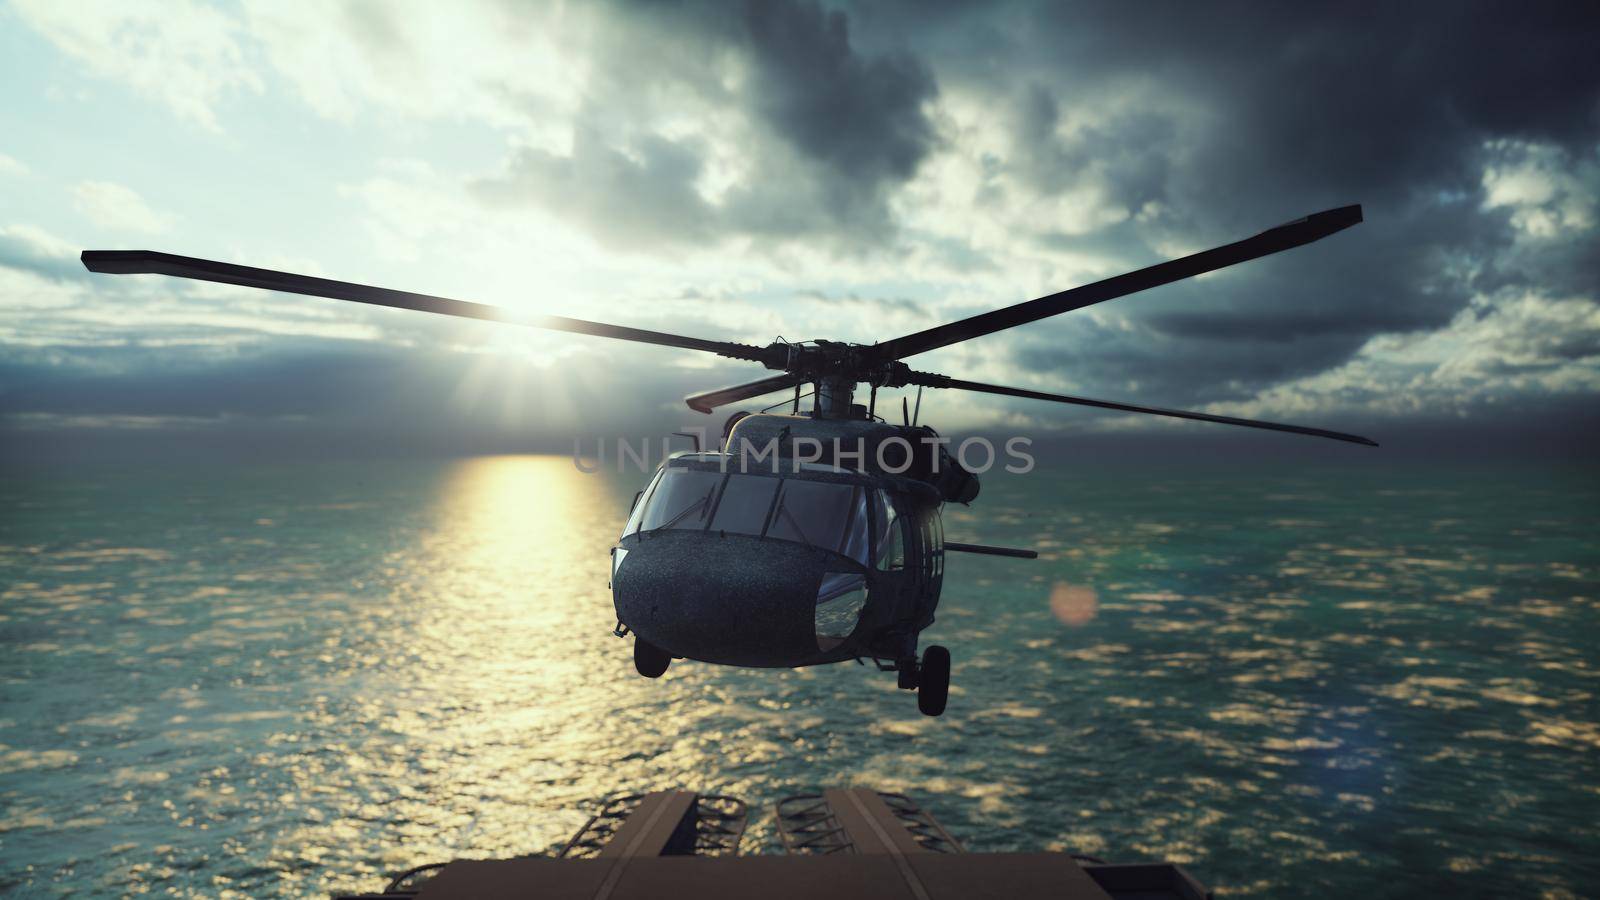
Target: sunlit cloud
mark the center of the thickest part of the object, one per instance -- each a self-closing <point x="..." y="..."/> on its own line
<point x="189" y="55"/>
<point x="119" y="208"/>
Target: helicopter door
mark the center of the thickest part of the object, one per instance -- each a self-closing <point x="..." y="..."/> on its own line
<point x="935" y="548"/>
<point x="926" y="535"/>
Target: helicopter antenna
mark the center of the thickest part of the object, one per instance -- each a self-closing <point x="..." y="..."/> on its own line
<point x="917" y="414"/>
<point x="786" y="402"/>
<point x="905" y="412"/>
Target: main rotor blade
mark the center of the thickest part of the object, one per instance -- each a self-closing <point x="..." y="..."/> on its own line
<point x="705" y="403"/>
<point x="142" y="262"/>
<point x="940" y="381"/>
<point x="1273" y="240"/>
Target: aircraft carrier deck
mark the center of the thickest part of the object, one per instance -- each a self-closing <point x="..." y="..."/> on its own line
<point x="839" y="844"/>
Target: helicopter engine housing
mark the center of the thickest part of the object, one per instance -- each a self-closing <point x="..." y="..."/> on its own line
<point x="879" y="448"/>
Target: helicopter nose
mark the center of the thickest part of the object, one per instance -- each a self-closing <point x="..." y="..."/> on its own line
<point x="734" y="600"/>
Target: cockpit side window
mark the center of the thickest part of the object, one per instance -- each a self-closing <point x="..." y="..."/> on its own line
<point x="891" y="540"/>
<point x="682" y="499"/>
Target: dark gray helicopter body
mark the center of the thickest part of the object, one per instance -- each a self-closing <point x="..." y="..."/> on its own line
<point x="770" y="553"/>
<point x="774" y="570"/>
<point x="815" y="554"/>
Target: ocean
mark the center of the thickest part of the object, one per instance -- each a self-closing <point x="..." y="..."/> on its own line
<point x="247" y="679"/>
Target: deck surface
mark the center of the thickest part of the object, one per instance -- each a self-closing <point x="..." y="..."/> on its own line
<point x="840" y="876"/>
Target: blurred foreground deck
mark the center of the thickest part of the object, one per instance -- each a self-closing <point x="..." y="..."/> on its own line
<point x="840" y="844"/>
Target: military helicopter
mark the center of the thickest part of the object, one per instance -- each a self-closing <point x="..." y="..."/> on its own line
<point x="808" y="537"/>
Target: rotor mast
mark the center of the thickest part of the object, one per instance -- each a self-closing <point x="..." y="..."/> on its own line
<point x="833" y="397"/>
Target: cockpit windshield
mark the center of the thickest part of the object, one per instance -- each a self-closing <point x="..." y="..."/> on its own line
<point x="831" y="515"/>
<point x="681" y="499"/>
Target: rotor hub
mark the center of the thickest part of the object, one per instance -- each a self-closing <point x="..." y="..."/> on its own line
<point x="823" y="360"/>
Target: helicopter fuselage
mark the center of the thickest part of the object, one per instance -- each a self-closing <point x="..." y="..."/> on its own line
<point x="762" y="555"/>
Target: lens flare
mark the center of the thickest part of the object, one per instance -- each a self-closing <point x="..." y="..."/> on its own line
<point x="1073" y="604"/>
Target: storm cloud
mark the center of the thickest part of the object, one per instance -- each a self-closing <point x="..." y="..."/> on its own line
<point x="1203" y="123"/>
<point x="890" y="166"/>
<point x="825" y="132"/>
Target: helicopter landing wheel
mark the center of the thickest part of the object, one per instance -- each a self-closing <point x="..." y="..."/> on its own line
<point x="650" y="661"/>
<point x="933" y="687"/>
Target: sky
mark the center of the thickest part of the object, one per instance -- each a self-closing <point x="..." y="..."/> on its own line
<point x="749" y="171"/>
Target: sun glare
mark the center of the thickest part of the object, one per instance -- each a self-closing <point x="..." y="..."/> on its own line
<point x="509" y="515"/>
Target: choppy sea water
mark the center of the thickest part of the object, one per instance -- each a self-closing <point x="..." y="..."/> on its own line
<point x="286" y="680"/>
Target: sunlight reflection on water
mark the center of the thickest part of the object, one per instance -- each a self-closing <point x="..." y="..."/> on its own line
<point x="288" y="680"/>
